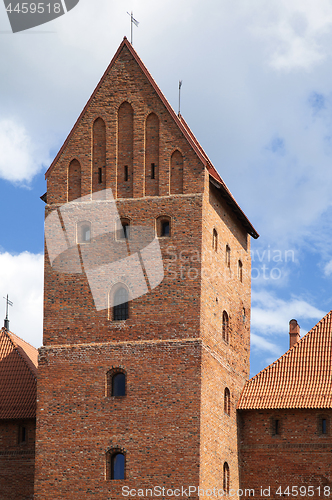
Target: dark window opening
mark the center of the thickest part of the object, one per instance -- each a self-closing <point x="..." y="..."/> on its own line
<point x="85" y="233"/>
<point x="120" y="307"/>
<point x="240" y="270"/>
<point x="277" y="427"/>
<point x="100" y="175"/>
<point x="226" y="478"/>
<point x="153" y="171"/>
<point x="228" y="256"/>
<point x="22" y="434"/>
<point x="119" y="384"/>
<point x="165" y="228"/>
<point x="225" y="327"/>
<point x="124" y="231"/>
<point x="324" y="426"/>
<point x="227" y="401"/>
<point x="117" y="466"/>
<point x="215" y="240"/>
<point x="126" y="173"/>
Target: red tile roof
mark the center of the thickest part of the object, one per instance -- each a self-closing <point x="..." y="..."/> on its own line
<point x="180" y="122"/>
<point x="301" y="378"/>
<point x="18" y="377"/>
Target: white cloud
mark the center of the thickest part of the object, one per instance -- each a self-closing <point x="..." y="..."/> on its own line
<point x="20" y="159"/>
<point x="256" y="341"/>
<point x="270" y="315"/>
<point x="293" y="31"/>
<point x="21" y="277"/>
<point x="328" y="268"/>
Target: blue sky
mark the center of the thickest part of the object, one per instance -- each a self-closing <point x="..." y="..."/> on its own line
<point x="257" y="93"/>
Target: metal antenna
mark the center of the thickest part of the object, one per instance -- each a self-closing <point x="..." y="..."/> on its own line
<point x="180" y="85"/>
<point x="8" y="303"/>
<point x="132" y="21"/>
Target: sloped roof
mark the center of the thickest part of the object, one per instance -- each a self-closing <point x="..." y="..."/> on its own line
<point x="180" y="122"/>
<point x="301" y="378"/>
<point x="18" y="377"/>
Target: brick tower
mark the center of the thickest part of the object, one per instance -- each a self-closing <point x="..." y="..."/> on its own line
<point x="141" y="392"/>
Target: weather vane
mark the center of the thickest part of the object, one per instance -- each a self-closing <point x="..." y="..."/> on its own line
<point x="132" y="21"/>
<point x="8" y="303"/>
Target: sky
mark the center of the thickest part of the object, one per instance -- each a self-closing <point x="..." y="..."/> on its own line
<point x="257" y="94"/>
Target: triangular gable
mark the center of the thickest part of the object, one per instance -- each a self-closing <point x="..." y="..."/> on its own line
<point x="180" y="123"/>
<point x="301" y="378"/>
<point x="18" y="378"/>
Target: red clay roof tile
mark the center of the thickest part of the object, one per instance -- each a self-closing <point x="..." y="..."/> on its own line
<point x="301" y="378"/>
<point x="18" y="377"/>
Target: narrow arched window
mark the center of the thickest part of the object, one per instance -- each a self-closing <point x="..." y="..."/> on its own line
<point x="163" y="227"/>
<point x="228" y="256"/>
<point x="74" y="180"/>
<point x="83" y="232"/>
<point x="215" y="240"/>
<point x="225" y="327"/>
<point x="124" y="230"/>
<point x="227" y="401"/>
<point x="226" y="478"/>
<point x="239" y="270"/>
<point x="120" y="304"/>
<point x="115" y="465"/>
<point x="118" y="384"/>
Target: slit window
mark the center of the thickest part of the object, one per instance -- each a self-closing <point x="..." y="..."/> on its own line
<point x="100" y="175"/>
<point x="227" y="401"/>
<point x="239" y="270"/>
<point x="276" y="427"/>
<point x="323" y="425"/>
<point x="153" y="171"/>
<point x="225" y="327"/>
<point x="126" y="173"/>
<point x="228" y="256"/>
<point x="226" y="478"/>
<point x="215" y="240"/>
<point x="22" y="434"/>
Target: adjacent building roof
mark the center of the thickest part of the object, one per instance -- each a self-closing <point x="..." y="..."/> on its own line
<point x="301" y="378"/>
<point x="18" y="377"/>
<point x="180" y="122"/>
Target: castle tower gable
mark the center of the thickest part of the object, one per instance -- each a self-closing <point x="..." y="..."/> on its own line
<point x="127" y="138"/>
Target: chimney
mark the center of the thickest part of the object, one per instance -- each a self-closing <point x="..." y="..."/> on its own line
<point x="294" y="332"/>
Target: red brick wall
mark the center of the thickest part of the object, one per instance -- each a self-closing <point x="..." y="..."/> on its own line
<point x="156" y="424"/>
<point x="299" y="456"/>
<point x="17" y="460"/>
<point x="172" y="424"/>
<point x="226" y="364"/>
